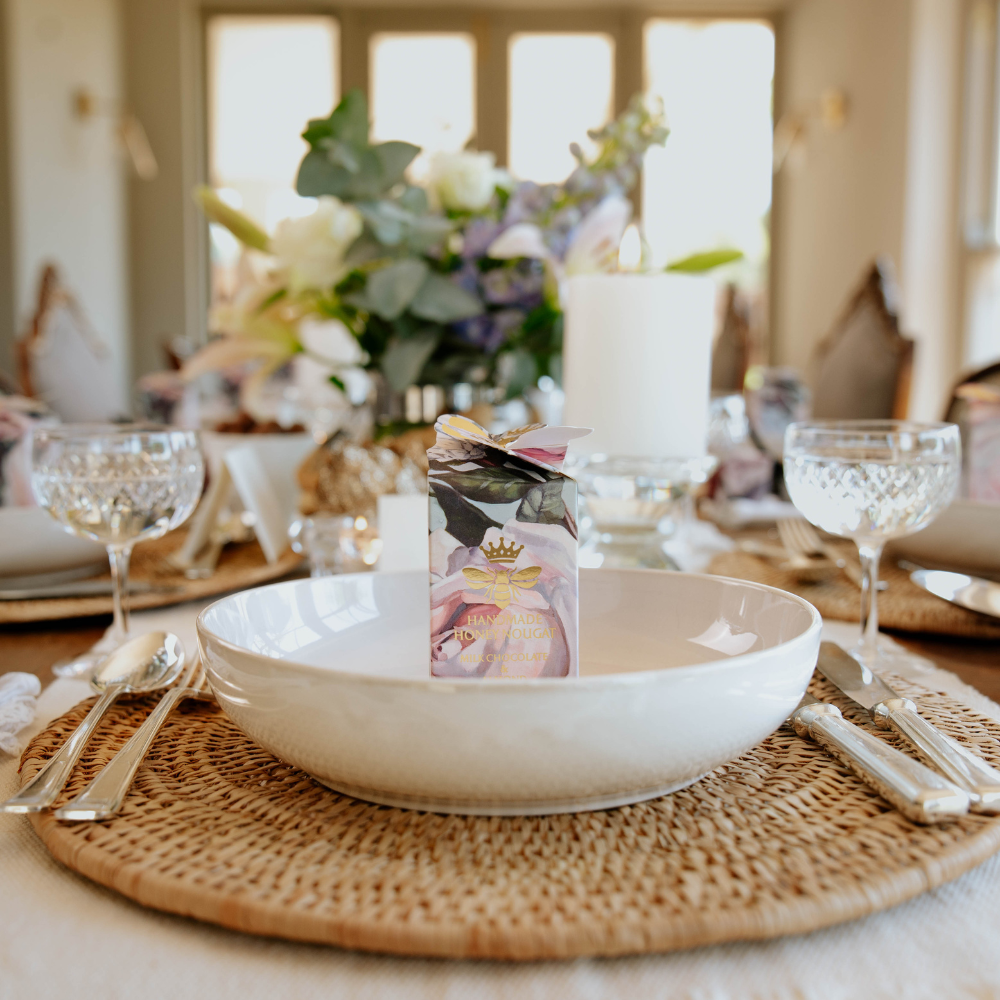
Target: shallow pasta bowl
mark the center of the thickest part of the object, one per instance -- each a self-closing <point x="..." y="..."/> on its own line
<point x="679" y="674"/>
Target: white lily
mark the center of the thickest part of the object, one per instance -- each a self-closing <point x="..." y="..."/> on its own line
<point x="594" y="249"/>
<point x="523" y="239"/>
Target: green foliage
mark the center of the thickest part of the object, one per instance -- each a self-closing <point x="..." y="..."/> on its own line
<point x="342" y="162"/>
<point x="705" y="261"/>
<point x="404" y="358"/>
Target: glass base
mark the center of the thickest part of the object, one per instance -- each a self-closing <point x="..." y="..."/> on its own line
<point x="605" y="550"/>
<point x="83" y="666"/>
<point x="890" y="656"/>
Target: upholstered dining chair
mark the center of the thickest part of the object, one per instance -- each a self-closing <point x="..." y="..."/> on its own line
<point x="862" y="368"/>
<point x="731" y="351"/>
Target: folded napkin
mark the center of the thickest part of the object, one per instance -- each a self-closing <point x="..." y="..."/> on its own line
<point x="17" y="707"/>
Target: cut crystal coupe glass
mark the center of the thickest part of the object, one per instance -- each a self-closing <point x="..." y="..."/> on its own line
<point x="118" y="485"/>
<point x="871" y="481"/>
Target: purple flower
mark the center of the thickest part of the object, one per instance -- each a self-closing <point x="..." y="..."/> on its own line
<point x="488" y="331"/>
<point x="528" y="201"/>
<point x="520" y="284"/>
<point x="478" y="235"/>
<point x="467" y="278"/>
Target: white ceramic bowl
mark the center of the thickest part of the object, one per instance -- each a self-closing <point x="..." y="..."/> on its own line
<point x="679" y="674"/>
<point x="33" y="545"/>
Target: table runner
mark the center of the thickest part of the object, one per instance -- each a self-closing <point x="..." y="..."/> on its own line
<point x="62" y="935"/>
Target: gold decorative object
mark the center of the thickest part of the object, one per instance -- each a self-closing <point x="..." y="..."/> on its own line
<point x="344" y="477"/>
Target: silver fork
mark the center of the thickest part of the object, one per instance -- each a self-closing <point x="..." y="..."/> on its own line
<point x="103" y="797"/>
<point x="800" y="538"/>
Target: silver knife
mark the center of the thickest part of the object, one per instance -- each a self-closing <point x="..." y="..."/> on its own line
<point x="889" y="711"/>
<point x="919" y="793"/>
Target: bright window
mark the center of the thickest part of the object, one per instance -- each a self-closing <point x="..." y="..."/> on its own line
<point x="561" y="85"/>
<point x="423" y="89"/>
<point x="711" y="185"/>
<point x="267" y="76"/>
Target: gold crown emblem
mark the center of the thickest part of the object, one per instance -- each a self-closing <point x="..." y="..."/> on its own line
<point x="501" y="553"/>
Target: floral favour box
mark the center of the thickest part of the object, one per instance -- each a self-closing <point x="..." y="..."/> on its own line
<point x="503" y="552"/>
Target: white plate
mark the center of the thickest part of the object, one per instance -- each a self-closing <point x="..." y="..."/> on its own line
<point x="964" y="536"/>
<point x="681" y="673"/>
<point x="33" y="547"/>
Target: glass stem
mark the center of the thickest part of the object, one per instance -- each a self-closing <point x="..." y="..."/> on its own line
<point x="119" y="556"/>
<point x="870" y="555"/>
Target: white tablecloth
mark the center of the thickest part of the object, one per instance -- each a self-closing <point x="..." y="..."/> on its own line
<point x="62" y="936"/>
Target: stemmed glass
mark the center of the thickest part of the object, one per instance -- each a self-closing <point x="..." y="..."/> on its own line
<point x="872" y="480"/>
<point x="116" y="484"/>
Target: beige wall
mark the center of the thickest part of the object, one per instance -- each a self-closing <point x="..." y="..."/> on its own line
<point x="166" y="236"/>
<point x="845" y="203"/>
<point x="66" y="175"/>
<point x="887" y="183"/>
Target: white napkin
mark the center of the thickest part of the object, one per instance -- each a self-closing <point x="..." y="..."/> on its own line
<point x="18" y="692"/>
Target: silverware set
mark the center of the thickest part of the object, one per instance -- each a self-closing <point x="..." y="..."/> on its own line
<point x="804" y="553"/>
<point x="961" y="781"/>
<point x="149" y="662"/>
<point x="950" y="782"/>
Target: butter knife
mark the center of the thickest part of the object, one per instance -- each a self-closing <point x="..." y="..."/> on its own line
<point x="889" y="711"/>
<point x="919" y="793"/>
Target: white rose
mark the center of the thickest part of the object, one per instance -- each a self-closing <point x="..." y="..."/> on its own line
<point x="464" y="181"/>
<point x="311" y="249"/>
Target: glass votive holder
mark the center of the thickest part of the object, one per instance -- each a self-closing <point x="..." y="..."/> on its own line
<point x="631" y="506"/>
<point x="337" y="543"/>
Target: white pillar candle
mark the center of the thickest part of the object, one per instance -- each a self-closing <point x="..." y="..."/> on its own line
<point x="636" y="362"/>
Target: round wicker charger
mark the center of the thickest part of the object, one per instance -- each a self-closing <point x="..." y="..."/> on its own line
<point x="240" y="566"/>
<point x="782" y="840"/>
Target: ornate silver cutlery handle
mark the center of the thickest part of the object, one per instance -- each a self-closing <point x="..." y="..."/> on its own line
<point x="103" y="797"/>
<point x="916" y="791"/>
<point x="967" y="770"/>
<point x="41" y="791"/>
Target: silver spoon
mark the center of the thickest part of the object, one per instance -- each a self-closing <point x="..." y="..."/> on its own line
<point x="142" y="664"/>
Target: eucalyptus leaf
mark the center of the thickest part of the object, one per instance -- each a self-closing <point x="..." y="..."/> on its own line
<point x="443" y="301"/>
<point x="342" y="154"/>
<point x="318" y="176"/>
<point x="414" y="199"/>
<point x="348" y="122"/>
<point x="464" y="521"/>
<point x="366" y="184"/>
<point x="405" y="357"/>
<point x="518" y="371"/>
<point x="705" y="261"/>
<point x="389" y="222"/>
<point x="394" y="158"/>
<point x="428" y="231"/>
<point x="391" y="289"/>
<point x="364" y="250"/>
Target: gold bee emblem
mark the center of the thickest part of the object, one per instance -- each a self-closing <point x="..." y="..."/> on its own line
<point x="501" y="584"/>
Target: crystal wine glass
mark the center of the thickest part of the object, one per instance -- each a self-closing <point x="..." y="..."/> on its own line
<point x="116" y="484"/>
<point x="871" y="480"/>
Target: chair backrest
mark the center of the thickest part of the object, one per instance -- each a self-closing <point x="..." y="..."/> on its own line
<point x="62" y="361"/>
<point x="862" y="368"/>
<point x="731" y="351"/>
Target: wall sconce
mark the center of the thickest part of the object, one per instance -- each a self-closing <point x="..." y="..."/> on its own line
<point x="791" y="131"/>
<point x="131" y="134"/>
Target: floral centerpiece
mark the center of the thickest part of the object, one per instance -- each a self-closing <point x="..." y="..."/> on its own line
<point x="454" y="280"/>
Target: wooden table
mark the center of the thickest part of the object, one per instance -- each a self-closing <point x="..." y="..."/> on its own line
<point x="35" y="647"/>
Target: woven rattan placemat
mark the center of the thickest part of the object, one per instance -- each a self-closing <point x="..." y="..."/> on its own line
<point x="240" y="566"/>
<point x="903" y="605"/>
<point x="780" y="841"/>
